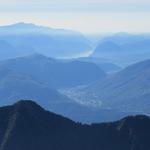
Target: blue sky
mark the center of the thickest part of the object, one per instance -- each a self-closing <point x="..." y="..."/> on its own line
<point x="82" y="15"/>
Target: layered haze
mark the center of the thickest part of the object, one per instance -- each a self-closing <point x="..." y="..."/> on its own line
<point x="88" y="61"/>
<point x="103" y="16"/>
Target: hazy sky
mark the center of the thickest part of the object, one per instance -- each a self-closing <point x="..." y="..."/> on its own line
<point x="82" y="15"/>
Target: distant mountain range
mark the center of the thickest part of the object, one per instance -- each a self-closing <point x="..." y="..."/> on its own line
<point x="27" y="126"/>
<point x="127" y="90"/>
<point x="37" y="77"/>
<point x="122" y="38"/>
<point x="91" y="88"/>
<point x="20" y="86"/>
<point x="53" y="72"/>
<point x="123" y="49"/>
<point x="88" y="92"/>
<point x="102" y="63"/>
<point x="25" y="38"/>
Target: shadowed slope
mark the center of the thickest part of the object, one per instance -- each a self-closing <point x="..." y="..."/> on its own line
<point x="28" y="126"/>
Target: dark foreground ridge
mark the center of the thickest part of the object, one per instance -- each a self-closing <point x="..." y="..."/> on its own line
<point x="27" y="126"/>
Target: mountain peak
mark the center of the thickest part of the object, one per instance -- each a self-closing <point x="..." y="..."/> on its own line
<point x="30" y="130"/>
<point x="133" y="122"/>
<point x="135" y="118"/>
<point x="25" y="102"/>
<point x="37" y="55"/>
<point x="23" y="25"/>
<point x="30" y="105"/>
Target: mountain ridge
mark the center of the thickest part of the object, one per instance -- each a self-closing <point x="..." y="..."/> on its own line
<point x="34" y="128"/>
<point x="30" y="38"/>
<point x="127" y="90"/>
